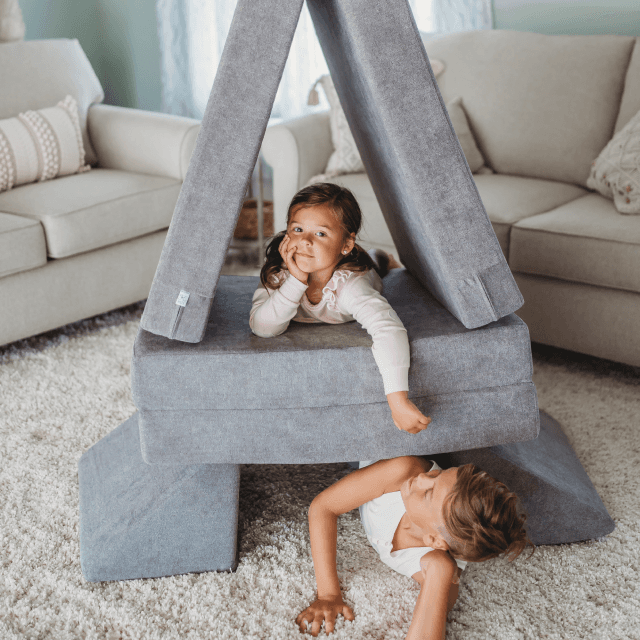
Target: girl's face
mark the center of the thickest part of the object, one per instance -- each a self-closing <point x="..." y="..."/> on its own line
<point x="423" y="496"/>
<point x="318" y="238"/>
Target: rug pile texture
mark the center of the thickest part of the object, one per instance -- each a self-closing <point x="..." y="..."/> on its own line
<point x="63" y="391"/>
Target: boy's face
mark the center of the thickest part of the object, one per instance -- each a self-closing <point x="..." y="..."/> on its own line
<point x="424" y="496"/>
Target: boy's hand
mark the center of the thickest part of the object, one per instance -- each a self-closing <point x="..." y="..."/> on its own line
<point x="287" y="254"/>
<point x="405" y="414"/>
<point x="326" y="609"/>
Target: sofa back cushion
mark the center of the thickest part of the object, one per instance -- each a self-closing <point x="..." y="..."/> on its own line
<point x="35" y="74"/>
<point x="630" y="104"/>
<point x="539" y="106"/>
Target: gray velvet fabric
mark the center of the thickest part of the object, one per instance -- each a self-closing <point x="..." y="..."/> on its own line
<point x="410" y="151"/>
<point x="235" y="397"/>
<point x="140" y="521"/>
<point x="226" y="150"/>
<point x="561" y="503"/>
<point x="321" y="365"/>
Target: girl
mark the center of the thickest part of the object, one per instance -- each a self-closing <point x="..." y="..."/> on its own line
<point x="425" y="522"/>
<point x="315" y="272"/>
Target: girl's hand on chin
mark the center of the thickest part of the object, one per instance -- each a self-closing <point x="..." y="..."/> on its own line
<point x="287" y="253"/>
<point x="323" y="609"/>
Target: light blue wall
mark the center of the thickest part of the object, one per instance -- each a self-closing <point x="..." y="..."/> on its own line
<point x="620" y="17"/>
<point x="119" y="37"/>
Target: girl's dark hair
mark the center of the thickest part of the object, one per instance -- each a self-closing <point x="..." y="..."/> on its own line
<point x="347" y="211"/>
<point x="483" y="518"/>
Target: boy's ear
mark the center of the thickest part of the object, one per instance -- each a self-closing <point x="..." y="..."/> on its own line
<point x="435" y="542"/>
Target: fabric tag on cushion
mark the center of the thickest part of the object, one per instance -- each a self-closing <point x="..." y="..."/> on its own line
<point x="41" y="145"/>
<point x="615" y="173"/>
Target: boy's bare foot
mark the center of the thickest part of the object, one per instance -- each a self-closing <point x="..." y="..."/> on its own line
<point x="385" y="261"/>
<point x="393" y="263"/>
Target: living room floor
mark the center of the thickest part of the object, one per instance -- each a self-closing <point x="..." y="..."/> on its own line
<point x="62" y="391"/>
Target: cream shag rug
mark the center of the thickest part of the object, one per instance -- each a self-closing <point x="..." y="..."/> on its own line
<point x="63" y="391"/>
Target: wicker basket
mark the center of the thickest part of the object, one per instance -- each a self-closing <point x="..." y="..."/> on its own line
<point x="247" y="227"/>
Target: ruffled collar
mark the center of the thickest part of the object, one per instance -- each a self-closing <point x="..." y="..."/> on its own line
<point x="329" y="289"/>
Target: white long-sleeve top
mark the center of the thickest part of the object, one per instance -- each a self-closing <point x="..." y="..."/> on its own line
<point x="348" y="296"/>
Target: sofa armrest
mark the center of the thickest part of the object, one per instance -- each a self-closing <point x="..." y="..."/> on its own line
<point x="296" y="150"/>
<point x="142" y="141"/>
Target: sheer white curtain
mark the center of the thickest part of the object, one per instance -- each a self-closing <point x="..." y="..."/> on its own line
<point x="192" y="35"/>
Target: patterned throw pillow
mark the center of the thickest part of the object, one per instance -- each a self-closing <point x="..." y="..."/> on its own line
<point x="40" y="145"/>
<point x="615" y="173"/>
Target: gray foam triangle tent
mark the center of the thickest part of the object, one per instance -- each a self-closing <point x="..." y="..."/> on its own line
<point x="211" y="396"/>
<point x="409" y="148"/>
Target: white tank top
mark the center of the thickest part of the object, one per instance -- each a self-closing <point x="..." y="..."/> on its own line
<point x="380" y="518"/>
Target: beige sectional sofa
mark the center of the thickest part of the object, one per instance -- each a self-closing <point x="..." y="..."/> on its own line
<point x="541" y="109"/>
<point x="83" y="244"/>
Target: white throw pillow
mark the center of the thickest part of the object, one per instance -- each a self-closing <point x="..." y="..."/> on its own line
<point x="615" y="173"/>
<point x="40" y="145"/>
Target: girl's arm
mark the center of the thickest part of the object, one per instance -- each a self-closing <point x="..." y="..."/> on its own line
<point x="437" y="596"/>
<point x="390" y="348"/>
<point x="272" y="311"/>
<point x="350" y="492"/>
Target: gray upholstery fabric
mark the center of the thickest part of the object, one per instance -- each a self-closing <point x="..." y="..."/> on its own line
<point x="409" y="148"/>
<point x="561" y="503"/>
<point x="204" y="402"/>
<point x="226" y="150"/>
<point x="140" y="521"/>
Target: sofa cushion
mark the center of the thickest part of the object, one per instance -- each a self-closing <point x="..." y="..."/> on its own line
<point x="585" y="240"/>
<point x="630" y="103"/>
<point x="509" y="199"/>
<point x="22" y="244"/>
<point x="539" y="106"/>
<point x="95" y="209"/>
<point x="37" y="73"/>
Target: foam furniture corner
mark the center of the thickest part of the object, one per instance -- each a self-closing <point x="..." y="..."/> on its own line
<point x="434" y="211"/>
<point x="561" y="503"/>
<point x="141" y="521"/>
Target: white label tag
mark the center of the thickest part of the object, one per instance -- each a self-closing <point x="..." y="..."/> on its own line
<point x="182" y="299"/>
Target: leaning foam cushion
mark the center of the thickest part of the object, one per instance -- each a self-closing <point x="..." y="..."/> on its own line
<point x="315" y="394"/>
<point x="139" y="521"/>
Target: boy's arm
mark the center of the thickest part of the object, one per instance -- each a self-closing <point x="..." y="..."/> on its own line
<point x="437" y="596"/>
<point x="350" y="492"/>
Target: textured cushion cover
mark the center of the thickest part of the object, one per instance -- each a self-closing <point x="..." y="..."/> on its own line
<point x="289" y="390"/>
<point x="39" y="73"/>
<point x="539" y="106"/>
<point x="104" y="206"/>
<point x="615" y="173"/>
<point x="140" y="521"/>
<point x="22" y="244"/>
<point x="585" y="240"/>
<point x="41" y="145"/>
<point x="509" y="199"/>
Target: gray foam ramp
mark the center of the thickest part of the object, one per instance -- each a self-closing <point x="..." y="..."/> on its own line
<point x="417" y="169"/>
<point x="140" y="521"/>
<point x="561" y="502"/>
<point x="236" y="397"/>
<point x="225" y="154"/>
